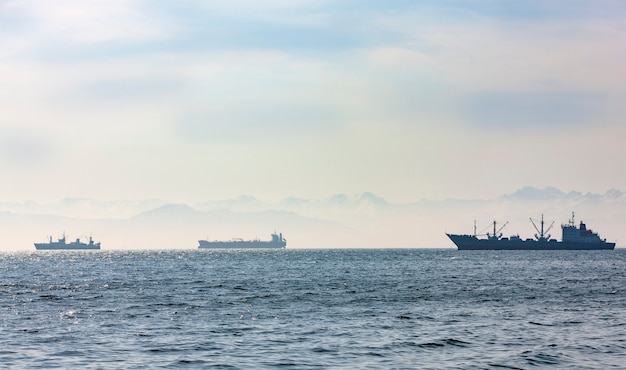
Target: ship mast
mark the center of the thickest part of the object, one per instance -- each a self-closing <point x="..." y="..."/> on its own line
<point x="542" y="233"/>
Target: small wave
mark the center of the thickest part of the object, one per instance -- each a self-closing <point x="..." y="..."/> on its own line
<point x="539" y="324"/>
<point x="541" y="358"/>
<point x="444" y="342"/>
<point x="191" y="362"/>
<point x="223" y="366"/>
<point x="67" y="353"/>
<point x="51" y="297"/>
<point x="573" y="322"/>
<point x="323" y="350"/>
<point x="502" y="366"/>
<point x="34" y="331"/>
<point x="165" y="350"/>
<point x="456" y="342"/>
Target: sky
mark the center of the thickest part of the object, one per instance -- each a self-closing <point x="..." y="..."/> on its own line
<point x="197" y="100"/>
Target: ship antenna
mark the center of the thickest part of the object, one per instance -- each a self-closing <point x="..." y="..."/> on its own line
<point x="474" y="227"/>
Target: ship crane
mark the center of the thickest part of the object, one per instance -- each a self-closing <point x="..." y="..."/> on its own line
<point x="542" y="234"/>
<point x="496" y="232"/>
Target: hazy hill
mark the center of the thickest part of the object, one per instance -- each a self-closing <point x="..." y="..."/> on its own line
<point x="361" y="220"/>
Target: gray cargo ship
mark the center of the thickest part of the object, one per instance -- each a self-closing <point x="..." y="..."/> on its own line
<point x="61" y="244"/>
<point x="277" y="242"/>
<point x="573" y="238"/>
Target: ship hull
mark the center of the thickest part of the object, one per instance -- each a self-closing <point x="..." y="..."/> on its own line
<point x="65" y="247"/>
<point x="241" y="244"/>
<point x="469" y="242"/>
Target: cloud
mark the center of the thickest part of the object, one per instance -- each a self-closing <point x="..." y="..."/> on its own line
<point x="131" y="88"/>
<point x="347" y="95"/>
<point x="259" y="124"/>
<point x="26" y="150"/>
<point x="84" y="22"/>
<point x="539" y="111"/>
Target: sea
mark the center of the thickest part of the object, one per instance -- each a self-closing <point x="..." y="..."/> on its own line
<point x="313" y="309"/>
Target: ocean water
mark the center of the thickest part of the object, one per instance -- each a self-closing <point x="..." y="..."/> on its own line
<point x="313" y="309"/>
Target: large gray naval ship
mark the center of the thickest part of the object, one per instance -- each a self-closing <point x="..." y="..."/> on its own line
<point x="573" y="238"/>
<point x="61" y="244"/>
<point x="277" y="242"/>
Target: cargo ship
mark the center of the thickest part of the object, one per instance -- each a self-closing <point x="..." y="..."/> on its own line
<point x="61" y="244"/>
<point x="573" y="238"/>
<point x="277" y="242"/>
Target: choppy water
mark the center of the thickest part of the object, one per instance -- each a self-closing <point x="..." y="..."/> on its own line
<point x="305" y="309"/>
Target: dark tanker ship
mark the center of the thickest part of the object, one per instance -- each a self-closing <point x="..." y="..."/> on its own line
<point x="573" y="238"/>
<point x="277" y="242"/>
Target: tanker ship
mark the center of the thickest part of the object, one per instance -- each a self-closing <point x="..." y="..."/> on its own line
<point x="573" y="238"/>
<point x="277" y="242"/>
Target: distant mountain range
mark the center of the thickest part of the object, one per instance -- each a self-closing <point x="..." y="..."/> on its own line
<point x="550" y="193"/>
<point x="361" y="220"/>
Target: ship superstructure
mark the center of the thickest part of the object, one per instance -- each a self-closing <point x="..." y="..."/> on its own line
<point x="573" y="238"/>
<point x="61" y="244"/>
<point x="277" y="242"/>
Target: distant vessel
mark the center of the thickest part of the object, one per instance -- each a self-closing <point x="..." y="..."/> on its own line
<point x="61" y="244"/>
<point x="573" y="238"/>
<point x="277" y="242"/>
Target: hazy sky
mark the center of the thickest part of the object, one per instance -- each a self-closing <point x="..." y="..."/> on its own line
<point x="194" y="100"/>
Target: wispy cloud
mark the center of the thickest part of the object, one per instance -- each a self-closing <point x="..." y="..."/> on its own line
<point x="344" y="93"/>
